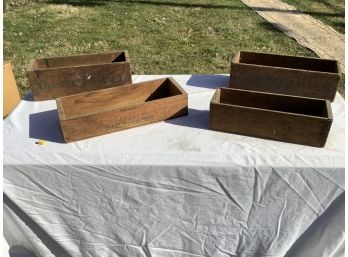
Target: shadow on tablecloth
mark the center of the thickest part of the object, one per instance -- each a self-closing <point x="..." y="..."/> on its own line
<point x="319" y="235"/>
<point x="20" y="251"/>
<point x="29" y="97"/>
<point x="45" y="238"/>
<point x="46" y="126"/>
<point x="195" y="119"/>
<point x="209" y="81"/>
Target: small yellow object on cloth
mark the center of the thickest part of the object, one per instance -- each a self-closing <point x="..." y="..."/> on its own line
<point x="41" y="142"/>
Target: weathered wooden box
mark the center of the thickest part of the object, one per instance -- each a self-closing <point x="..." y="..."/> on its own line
<point x="54" y="77"/>
<point x="99" y="112"/>
<point x="290" y="119"/>
<point x="288" y="75"/>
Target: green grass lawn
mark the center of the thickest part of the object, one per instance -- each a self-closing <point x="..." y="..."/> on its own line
<point x="162" y="37"/>
<point x="330" y="12"/>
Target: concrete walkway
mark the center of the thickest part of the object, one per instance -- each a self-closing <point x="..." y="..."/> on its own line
<point x="309" y="32"/>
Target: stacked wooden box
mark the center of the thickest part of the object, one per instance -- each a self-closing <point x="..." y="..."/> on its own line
<point x="277" y="97"/>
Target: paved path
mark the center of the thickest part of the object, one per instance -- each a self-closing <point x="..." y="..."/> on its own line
<point x="309" y="32"/>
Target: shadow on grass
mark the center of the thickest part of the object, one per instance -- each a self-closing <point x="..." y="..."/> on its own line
<point x="82" y="3"/>
<point x="188" y="5"/>
<point x="340" y="25"/>
<point x="328" y="4"/>
<point x="271" y="26"/>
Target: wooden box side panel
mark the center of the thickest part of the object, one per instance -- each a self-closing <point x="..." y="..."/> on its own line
<point x="101" y="100"/>
<point x="291" y="62"/>
<point x="123" y="118"/>
<point x="274" y="102"/>
<point x="53" y="83"/>
<point x="270" y="125"/>
<point x="284" y="81"/>
<point x="80" y="60"/>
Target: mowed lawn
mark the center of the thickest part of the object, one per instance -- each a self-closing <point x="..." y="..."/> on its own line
<point x="162" y="37"/>
<point x="330" y="12"/>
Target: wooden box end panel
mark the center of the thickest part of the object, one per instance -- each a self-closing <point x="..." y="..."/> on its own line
<point x="78" y="60"/>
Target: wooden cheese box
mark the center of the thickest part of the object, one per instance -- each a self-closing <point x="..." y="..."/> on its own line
<point x="285" y="118"/>
<point x="54" y="77"/>
<point x="288" y="75"/>
<point x="99" y="112"/>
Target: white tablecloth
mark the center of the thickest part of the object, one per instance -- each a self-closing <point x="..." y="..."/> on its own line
<point x="172" y="188"/>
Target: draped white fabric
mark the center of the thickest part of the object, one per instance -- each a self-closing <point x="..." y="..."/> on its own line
<point x="172" y="188"/>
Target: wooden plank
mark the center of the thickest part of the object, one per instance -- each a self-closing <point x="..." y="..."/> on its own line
<point x="99" y="112"/>
<point x="289" y="75"/>
<point x="81" y="60"/>
<point x="61" y="76"/>
<point x="285" y="118"/>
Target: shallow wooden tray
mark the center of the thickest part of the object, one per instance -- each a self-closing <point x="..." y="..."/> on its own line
<point x="289" y="75"/>
<point x="54" y="77"/>
<point x="291" y="119"/>
<point x="99" y="112"/>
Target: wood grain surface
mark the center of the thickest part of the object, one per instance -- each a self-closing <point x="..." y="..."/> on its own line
<point x="54" y="77"/>
<point x="289" y="75"/>
<point x="285" y="118"/>
<point x="99" y="112"/>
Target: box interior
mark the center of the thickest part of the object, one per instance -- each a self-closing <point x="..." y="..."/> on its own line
<point x="82" y="60"/>
<point x="166" y="89"/>
<point x="292" y="62"/>
<point x="303" y="106"/>
<point x="122" y="96"/>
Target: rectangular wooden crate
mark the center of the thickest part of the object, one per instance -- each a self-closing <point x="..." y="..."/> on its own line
<point x="288" y="75"/>
<point x="54" y="77"/>
<point x="99" y="112"/>
<point x="285" y="118"/>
